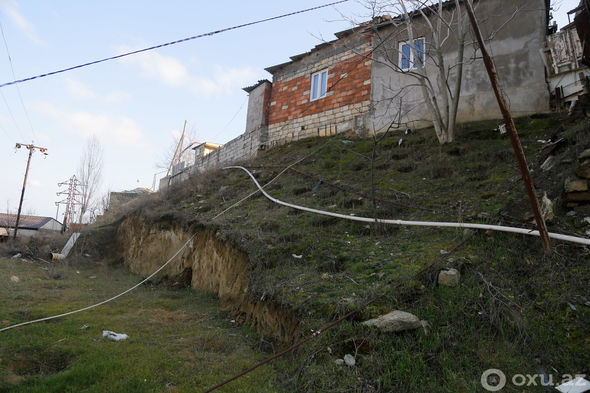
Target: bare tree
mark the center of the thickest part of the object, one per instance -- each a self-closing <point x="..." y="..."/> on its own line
<point x="179" y="150"/>
<point x="425" y="49"/>
<point x="90" y="174"/>
<point x="426" y="43"/>
<point x="101" y="206"/>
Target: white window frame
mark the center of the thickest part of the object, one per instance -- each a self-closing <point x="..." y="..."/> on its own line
<point x="411" y="61"/>
<point x="315" y="89"/>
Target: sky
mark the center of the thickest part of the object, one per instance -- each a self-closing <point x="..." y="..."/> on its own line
<point x="135" y="106"/>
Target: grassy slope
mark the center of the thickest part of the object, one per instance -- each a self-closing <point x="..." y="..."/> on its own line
<point x="510" y="311"/>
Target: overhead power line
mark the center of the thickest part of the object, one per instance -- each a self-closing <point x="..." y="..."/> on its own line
<point x="14" y="76"/>
<point x="11" y="114"/>
<point x="171" y="258"/>
<point x="211" y="33"/>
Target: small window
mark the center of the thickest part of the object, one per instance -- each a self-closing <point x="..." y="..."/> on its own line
<point x="319" y="85"/>
<point x="406" y="55"/>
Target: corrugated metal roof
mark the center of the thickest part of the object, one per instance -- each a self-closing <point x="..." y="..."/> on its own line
<point x="26" y="222"/>
<point x="248" y="89"/>
<point x="376" y="23"/>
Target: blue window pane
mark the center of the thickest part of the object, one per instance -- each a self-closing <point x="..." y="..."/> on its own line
<point x="324" y="85"/>
<point x="405" y="56"/>
<point x="419" y="45"/>
<point x="314" y="87"/>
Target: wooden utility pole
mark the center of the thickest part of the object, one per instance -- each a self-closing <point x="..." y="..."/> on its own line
<point x="31" y="148"/>
<point x="511" y="128"/>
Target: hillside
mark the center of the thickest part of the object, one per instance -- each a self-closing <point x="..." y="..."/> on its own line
<point x="288" y="273"/>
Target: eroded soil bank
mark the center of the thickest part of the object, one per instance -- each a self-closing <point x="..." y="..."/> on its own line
<point x="214" y="265"/>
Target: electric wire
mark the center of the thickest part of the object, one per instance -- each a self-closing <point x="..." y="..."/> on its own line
<point x="14" y="76"/>
<point x="11" y="115"/>
<point x="104" y="301"/>
<point x="235" y="114"/>
<point x="211" y="33"/>
<point x="4" y="131"/>
<point x="170" y="259"/>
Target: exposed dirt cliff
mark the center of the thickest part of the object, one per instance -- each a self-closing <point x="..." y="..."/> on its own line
<point x="214" y="265"/>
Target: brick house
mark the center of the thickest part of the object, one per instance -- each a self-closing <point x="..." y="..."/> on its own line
<point x="347" y="85"/>
<point x="322" y="92"/>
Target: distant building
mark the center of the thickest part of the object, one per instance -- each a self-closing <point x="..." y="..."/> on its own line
<point x="28" y="225"/>
<point x="118" y="199"/>
<point x="567" y="75"/>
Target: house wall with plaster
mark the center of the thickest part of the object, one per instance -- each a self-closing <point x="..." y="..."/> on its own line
<point x="516" y="31"/>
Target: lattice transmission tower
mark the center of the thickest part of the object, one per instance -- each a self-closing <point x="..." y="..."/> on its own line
<point x="72" y="193"/>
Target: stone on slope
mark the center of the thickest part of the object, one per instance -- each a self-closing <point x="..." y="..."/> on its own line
<point x="395" y="321"/>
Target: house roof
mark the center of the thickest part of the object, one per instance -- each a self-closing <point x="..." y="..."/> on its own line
<point x="300" y="56"/>
<point x="376" y="23"/>
<point x="25" y="222"/>
<point x="248" y="89"/>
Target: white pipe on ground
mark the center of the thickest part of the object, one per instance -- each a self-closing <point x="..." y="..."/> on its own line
<point x="501" y="228"/>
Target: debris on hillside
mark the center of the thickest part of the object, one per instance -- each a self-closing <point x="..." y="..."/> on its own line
<point x="577" y="189"/>
<point x="395" y="321"/>
<point x="449" y="278"/>
<point x="114" y="336"/>
<point x="349" y="360"/>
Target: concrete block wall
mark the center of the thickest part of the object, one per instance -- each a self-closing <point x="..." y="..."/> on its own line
<point x="241" y="148"/>
<point x="330" y="122"/>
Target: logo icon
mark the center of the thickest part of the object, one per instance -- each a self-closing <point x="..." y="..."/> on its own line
<point x="493" y="380"/>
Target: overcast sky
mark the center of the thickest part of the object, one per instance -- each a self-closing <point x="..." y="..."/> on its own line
<point x="136" y="105"/>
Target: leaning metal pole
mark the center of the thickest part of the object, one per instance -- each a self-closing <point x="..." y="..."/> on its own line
<point x="511" y="128"/>
<point x="22" y="194"/>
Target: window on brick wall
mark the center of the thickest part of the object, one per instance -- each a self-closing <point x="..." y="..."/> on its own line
<point x="319" y="85"/>
<point x="406" y="55"/>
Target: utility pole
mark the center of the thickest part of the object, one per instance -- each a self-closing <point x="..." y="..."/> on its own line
<point x="31" y="149"/>
<point x="72" y="193"/>
<point x="511" y="128"/>
<point x="178" y="152"/>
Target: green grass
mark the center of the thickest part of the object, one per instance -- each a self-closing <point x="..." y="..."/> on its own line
<point x="176" y="336"/>
<point x="511" y="311"/>
<point x="517" y="325"/>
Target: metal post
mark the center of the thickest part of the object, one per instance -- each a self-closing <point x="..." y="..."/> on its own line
<point x="31" y="149"/>
<point x="72" y="193"/>
<point x="511" y="128"/>
<point x="22" y="194"/>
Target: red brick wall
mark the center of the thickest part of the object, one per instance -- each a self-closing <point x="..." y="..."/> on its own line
<point x="341" y="91"/>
